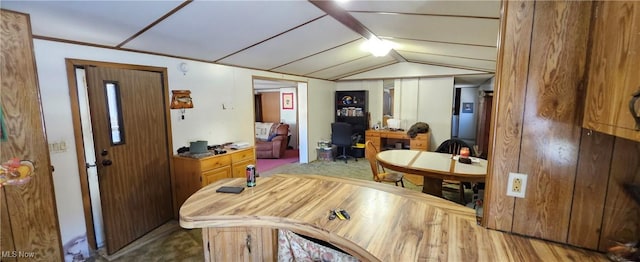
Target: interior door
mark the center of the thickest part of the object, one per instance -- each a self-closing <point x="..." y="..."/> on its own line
<point x="130" y="137"/>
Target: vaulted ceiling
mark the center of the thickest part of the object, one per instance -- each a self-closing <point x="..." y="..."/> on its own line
<point x="318" y="39"/>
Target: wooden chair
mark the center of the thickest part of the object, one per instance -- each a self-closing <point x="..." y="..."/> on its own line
<point x="370" y="153"/>
<point x="453" y="146"/>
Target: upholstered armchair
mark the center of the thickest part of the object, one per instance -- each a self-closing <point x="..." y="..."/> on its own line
<point x="275" y="146"/>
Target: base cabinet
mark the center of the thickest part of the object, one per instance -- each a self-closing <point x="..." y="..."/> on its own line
<point x="191" y="174"/>
<point x="386" y="139"/>
<point x="240" y="244"/>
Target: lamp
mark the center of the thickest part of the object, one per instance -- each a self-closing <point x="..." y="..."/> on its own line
<point x="377" y="47"/>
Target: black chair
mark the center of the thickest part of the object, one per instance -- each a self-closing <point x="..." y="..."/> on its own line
<point x="342" y="136"/>
<point x="453" y="146"/>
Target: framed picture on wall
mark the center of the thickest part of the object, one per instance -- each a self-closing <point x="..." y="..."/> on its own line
<point x="287" y="100"/>
<point x="467" y="107"/>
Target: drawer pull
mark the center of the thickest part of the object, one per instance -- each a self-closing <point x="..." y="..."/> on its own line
<point x="632" y="108"/>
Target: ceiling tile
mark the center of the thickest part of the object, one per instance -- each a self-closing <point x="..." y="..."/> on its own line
<point x="489" y="66"/>
<point x="211" y="30"/>
<point x="97" y="22"/>
<point x="358" y="65"/>
<point x="408" y="70"/>
<point x="314" y="37"/>
<point x="461" y="30"/>
<point x="454" y="8"/>
<point x="456" y="50"/>
<point x="332" y="57"/>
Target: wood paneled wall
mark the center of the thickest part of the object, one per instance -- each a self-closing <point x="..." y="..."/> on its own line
<point x="29" y="222"/>
<point x="573" y="194"/>
<point x="271" y="107"/>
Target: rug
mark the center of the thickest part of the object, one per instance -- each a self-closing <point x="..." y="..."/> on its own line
<point x="265" y="164"/>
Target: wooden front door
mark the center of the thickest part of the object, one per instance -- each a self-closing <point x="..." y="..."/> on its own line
<point x="130" y="137"/>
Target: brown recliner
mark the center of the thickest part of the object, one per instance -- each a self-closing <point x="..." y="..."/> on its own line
<point x="276" y="147"/>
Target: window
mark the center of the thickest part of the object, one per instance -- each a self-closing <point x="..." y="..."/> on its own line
<point x="115" y="113"/>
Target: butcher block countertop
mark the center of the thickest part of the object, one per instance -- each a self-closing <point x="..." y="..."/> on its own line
<point x="387" y="223"/>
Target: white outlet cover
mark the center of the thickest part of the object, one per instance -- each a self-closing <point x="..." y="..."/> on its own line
<point x="523" y="186"/>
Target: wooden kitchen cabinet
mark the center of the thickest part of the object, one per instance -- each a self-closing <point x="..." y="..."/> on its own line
<point x="191" y="174"/>
<point x="613" y="76"/>
<point x="240" y="160"/>
<point x="240" y="244"/>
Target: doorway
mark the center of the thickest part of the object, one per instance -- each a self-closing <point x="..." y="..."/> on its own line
<point x="124" y="156"/>
<point x="276" y="101"/>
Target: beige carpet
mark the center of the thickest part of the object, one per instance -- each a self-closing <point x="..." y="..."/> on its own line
<point x="172" y="243"/>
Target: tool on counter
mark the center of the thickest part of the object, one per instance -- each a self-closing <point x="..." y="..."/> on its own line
<point x="339" y="213"/>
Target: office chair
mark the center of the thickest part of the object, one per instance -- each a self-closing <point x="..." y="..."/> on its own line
<point x="342" y="136"/>
<point x="453" y="146"/>
<point x="370" y="153"/>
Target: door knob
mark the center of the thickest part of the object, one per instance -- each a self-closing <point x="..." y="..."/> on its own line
<point x="106" y="162"/>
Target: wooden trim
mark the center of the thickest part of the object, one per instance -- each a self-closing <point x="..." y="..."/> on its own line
<point x="510" y="88"/>
<point x="272" y="37"/>
<point x="273" y="68"/>
<point x="470" y="58"/>
<point x="441" y="42"/>
<point x="342" y="16"/>
<point x="424" y="14"/>
<point x="185" y="3"/>
<point x="71" y="65"/>
<point x="77" y="135"/>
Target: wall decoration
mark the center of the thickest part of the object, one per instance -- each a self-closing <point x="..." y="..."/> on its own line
<point x="181" y="99"/>
<point x="467" y="107"/>
<point x="15" y="172"/>
<point x="287" y="100"/>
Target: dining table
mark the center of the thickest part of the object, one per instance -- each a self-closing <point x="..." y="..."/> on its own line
<point x="434" y="167"/>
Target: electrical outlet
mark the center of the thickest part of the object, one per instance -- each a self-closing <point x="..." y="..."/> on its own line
<point x="517" y="185"/>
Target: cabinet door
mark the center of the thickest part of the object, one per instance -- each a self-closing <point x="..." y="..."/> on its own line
<point x="240" y="168"/>
<point x="214" y="175"/>
<point x="613" y="76"/>
<point x="239" y="244"/>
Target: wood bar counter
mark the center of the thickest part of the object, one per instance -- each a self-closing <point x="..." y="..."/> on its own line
<point x="387" y="223"/>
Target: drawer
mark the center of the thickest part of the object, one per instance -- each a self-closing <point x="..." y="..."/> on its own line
<point x="422" y="136"/>
<point x="244" y="154"/>
<point x="215" y="162"/>
<point x="396" y="135"/>
<point x="371" y="133"/>
<point x="418" y="144"/>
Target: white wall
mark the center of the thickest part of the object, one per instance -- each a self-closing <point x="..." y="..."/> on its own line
<point x="426" y="100"/>
<point x="321" y="113"/>
<point x="290" y="116"/>
<point x="211" y="86"/>
<point x="434" y="107"/>
<point x="467" y="122"/>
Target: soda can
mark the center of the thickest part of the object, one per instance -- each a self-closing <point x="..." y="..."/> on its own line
<point x="251" y="176"/>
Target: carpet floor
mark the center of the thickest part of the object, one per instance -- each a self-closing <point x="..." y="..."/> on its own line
<point x="290" y="156"/>
<point x="179" y="244"/>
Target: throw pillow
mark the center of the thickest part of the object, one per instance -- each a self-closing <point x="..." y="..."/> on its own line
<point x="271" y="137"/>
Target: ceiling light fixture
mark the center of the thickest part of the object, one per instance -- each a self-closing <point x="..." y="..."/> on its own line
<point x="377" y="47"/>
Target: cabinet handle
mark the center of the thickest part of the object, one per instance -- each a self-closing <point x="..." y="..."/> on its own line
<point x="632" y="108"/>
<point x="249" y="243"/>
